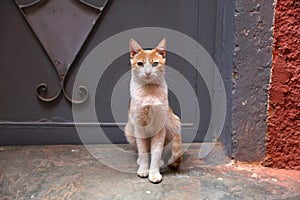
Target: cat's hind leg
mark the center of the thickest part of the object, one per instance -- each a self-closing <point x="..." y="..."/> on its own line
<point x="176" y="157"/>
<point x="129" y="133"/>
<point x="174" y="136"/>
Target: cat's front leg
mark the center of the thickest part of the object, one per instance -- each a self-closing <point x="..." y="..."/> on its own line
<point x="157" y="145"/>
<point x="143" y="157"/>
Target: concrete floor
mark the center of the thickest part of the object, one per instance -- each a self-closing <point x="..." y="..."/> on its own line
<point x="71" y="172"/>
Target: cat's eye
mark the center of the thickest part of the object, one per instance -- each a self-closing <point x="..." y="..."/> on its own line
<point x="140" y="64"/>
<point x="155" y="64"/>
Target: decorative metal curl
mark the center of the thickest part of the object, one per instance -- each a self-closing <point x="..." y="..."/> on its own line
<point x="82" y="91"/>
<point x="36" y="12"/>
<point x="42" y="90"/>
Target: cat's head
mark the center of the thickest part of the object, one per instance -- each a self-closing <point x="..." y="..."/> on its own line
<point x="148" y="66"/>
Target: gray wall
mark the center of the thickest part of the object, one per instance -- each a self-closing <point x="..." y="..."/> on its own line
<point x="251" y="72"/>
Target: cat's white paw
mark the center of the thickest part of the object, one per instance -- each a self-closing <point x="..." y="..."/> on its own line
<point x="155" y="177"/>
<point x="143" y="173"/>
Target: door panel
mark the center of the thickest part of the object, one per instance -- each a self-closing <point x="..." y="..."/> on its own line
<point x="24" y="65"/>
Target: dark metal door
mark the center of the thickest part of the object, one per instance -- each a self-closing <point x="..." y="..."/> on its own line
<point x="25" y="63"/>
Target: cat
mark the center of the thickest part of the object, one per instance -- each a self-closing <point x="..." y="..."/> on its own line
<point x="151" y="122"/>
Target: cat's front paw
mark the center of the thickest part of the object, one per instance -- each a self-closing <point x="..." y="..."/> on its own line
<point x="143" y="173"/>
<point x="155" y="177"/>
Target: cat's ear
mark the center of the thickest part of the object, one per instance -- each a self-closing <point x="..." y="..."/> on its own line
<point x="161" y="47"/>
<point x="134" y="47"/>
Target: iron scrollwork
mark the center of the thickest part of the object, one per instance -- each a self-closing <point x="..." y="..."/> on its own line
<point x="61" y="27"/>
<point x="42" y="90"/>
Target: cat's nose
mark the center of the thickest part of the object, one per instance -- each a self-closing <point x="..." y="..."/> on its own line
<point x="148" y="73"/>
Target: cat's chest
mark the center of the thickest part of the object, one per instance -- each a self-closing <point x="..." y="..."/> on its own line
<point x="149" y="115"/>
<point x="152" y="95"/>
<point x="140" y="101"/>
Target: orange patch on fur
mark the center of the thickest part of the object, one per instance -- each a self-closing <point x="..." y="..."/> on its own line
<point x="152" y="55"/>
<point x="150" y="88"/>
<point x="143" y="116"/>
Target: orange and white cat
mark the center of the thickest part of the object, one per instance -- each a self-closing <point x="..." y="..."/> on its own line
<point x="151" y="122"/>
